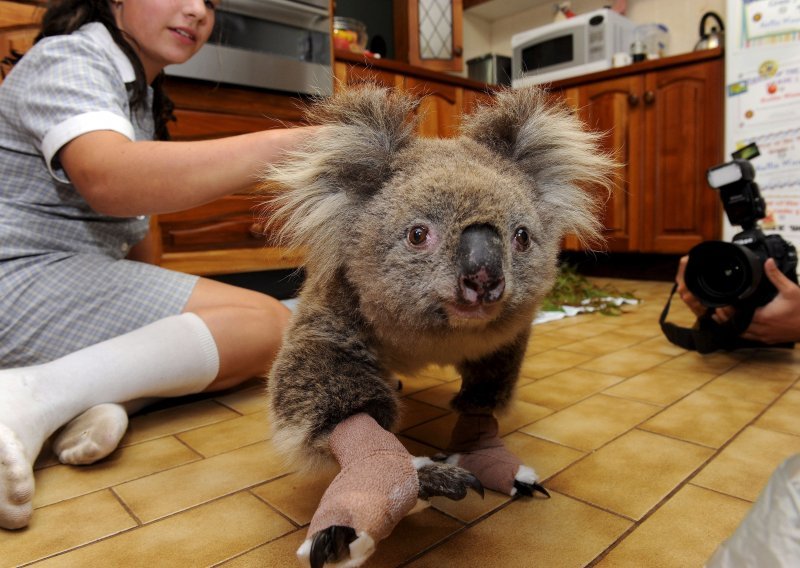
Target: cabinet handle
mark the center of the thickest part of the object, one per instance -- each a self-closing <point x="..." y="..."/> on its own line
<point x="458" y="51"/>
<point x="633" y="99"/>
<point x="257" y="230"/>
<point x="649" y="97"/>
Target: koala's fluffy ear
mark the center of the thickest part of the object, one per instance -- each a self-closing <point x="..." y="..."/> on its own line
<point x="317" y="188"/>
<point x="554" y="150"/>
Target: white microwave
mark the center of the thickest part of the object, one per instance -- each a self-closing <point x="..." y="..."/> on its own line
<point x="575" y="46"/>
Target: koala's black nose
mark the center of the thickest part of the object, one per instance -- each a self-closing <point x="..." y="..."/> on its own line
<point x="480" y="263"/>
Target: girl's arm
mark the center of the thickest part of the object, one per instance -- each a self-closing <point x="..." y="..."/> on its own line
<point x="122" y="178"/>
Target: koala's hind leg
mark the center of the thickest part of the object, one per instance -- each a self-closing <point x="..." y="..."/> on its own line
<point x="487" y="385"/>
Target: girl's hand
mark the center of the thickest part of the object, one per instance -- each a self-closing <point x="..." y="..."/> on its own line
<point x="779" y="320"/>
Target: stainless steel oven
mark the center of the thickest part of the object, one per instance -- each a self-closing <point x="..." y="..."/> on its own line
<point x="283" y="45"/>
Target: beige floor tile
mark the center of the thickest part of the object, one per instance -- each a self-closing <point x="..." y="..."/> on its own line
<point x="416" y="448"/>
<point x="175" y="419"/>
<point x="471" y="507"/>
<point x="89" y="518"/>
<point x="437" y="432"/>
<point x="661" y="344"/>
<point x="520" y="413"/>
<point x="704" y="418"/>
<point x="683" y="532"/>
<point x="440" y="372"/>
<point x="632" y="474"/>
<point x="414" y="412"/>
<point x="782" y="416"/>
<point x="585" y="329"/>
<point x="296" y="495"/>
<point x="228" y="435"/>
<point x="541" y="365"/>
<point x="743" y="468"/>
<point x="540" y="342"/>
<point x="715" y="363"/>
<point x="625" y="363"/>
<point x="279" y="553"/>
<point x="540" y="532"/>
<point x="752" y="382"/>
<point x="174" y="490"/>
<point x="592" y="423"/>
<point x="788" y="359"/>
<point x="545" y="457"/>
<point x="416" y="383"/>
<point x="660" y="386"/>
<point x="252" y="398"/>
<point x="199" y="537"/>
<point x="413" y="534"/>
<point x="440" y="395"/>
<point x="566" y="388"/>
<point x="61" y="482"/>
<point x="604" y="343"/>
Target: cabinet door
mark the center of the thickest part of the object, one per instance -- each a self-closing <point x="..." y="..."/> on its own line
<point x="683" y="138"/>
<point x="348" y="75"/>
<point x="440" y="107"/>
<point x="613" y="108"/>
<point x="428" y="33"/>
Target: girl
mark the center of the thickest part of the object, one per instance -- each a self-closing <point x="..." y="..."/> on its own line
<point x="82" y="164"/>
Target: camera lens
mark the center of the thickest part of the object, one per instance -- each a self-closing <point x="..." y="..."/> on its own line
<point x="721" y="274"/>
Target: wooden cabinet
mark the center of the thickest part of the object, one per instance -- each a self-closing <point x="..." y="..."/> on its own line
<point x="664" y="125"/>
<point x="429" y="33"/>
<point x="224" y="236"/>
<point x="19" y="25"/>
<point x="444" y="99"/>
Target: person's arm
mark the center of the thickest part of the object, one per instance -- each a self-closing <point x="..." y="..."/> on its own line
<point x="122" y="178"/>
<point x="779" y="320"/>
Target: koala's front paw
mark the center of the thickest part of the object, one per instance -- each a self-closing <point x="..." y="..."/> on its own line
<point x="444" y="479"/>
<point x="476" y="446"/>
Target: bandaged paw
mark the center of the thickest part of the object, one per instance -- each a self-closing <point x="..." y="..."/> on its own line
<point x="376" y="488"/>
<point x="476" y="446"/>
<point x="92" y="435"/>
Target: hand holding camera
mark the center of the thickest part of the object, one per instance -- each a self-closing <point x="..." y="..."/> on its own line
<point x="744" y="293"/>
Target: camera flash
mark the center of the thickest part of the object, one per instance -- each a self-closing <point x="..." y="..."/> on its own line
<point x="724" y="175"/>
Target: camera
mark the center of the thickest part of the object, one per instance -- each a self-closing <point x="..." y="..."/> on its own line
<point x="731" y="274"/>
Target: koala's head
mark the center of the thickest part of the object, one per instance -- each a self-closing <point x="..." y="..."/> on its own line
<point x="438" y="234"/>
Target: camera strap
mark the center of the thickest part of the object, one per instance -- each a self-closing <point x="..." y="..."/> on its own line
<point x="707" y="335"/>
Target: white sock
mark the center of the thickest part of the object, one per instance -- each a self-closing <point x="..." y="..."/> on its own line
<point x="171" y="357"/>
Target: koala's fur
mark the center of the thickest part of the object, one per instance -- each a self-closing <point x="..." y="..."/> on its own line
<point x="372" y="304"/>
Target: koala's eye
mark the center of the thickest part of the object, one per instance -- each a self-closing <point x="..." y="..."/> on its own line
<point x="522" y="240"/>
<point x="418" y="235"/>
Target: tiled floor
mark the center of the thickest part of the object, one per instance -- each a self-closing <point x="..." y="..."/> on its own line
<point x="652" y="456"/>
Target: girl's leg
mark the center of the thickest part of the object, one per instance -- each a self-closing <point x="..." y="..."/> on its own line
<point x="236" y="336"/>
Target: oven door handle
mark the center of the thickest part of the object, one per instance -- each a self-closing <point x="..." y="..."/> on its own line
<point x="264" y="8"/>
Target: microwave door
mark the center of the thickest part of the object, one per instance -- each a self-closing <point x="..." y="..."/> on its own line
<point x="294" y="14"/>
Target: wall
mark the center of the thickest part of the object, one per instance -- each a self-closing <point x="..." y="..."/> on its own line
<point x="682" y="17"/>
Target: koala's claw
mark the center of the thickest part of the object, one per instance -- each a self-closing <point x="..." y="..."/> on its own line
<point x="331" y="545"/>
<point x="527" y="489"/>
<point x="438" y="478"/>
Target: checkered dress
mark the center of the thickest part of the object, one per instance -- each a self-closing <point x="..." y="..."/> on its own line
<point x="64" y="283"/>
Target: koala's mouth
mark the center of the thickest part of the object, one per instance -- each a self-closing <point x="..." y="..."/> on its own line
<point x="471" y="313"/>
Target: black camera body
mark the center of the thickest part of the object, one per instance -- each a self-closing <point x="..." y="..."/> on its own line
<point x="731" y="274"/>
<point x="720" y="274"/>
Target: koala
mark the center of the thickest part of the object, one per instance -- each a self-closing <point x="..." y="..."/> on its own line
<point x="418" y="251"/>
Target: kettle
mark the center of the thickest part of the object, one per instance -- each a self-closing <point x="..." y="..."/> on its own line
<point x="714" y="38"/>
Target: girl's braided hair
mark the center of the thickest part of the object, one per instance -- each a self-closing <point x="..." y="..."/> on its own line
<point x="65" y="16"/>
